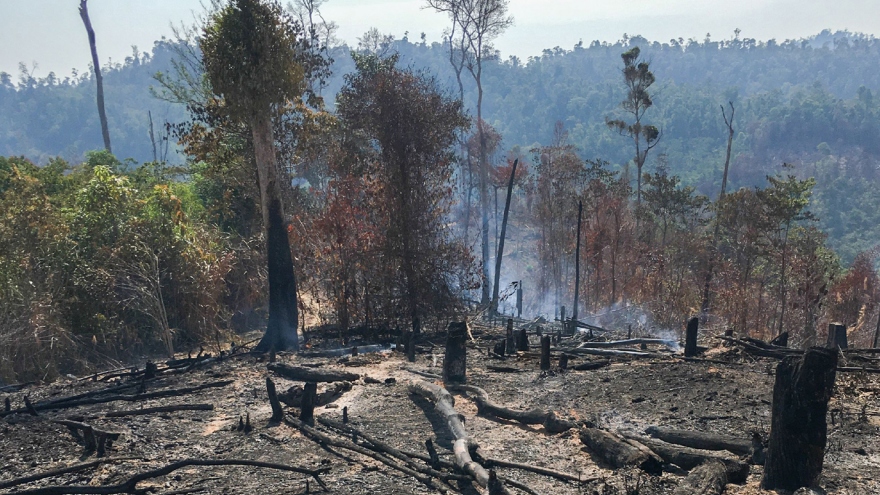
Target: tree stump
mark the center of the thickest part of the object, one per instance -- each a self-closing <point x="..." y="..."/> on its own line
<point x="563" y="361"/>
<point x="690" y="340"/>
<point x="410" y="347"/>
<point x="455" y="360"/>
<point x="499" y="348"/>
<point x="307" y="411"/>
<point x="277" y="411"/>
<point x="519" y="300"/>
<point x="798" y="431"/>
<point x="522" y="340"/>
<point x="511" y="343"/>
<point x="836" y="336"/>
<point x="780" y="340"/>
<point x="545" y="353"/>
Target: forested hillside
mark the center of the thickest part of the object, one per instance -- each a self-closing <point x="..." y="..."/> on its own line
<point x="805" y="102"/>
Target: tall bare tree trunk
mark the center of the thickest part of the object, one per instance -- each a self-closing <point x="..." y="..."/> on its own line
<point x="501" y="238"/>
<point x="484" y="192"/>
<point x="105" y="131"/>
<point x="283" y="311"/>
<point x="577" y="266"/>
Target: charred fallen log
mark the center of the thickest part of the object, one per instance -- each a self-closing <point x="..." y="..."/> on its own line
<point x="300" y="374"/>
<point x="701" y="440"/>
<point x="293" y="396"/>
<point x="709" y="478"/>
<point x="618" y="452"/>
<point x="688" y="458"/>
<point x="551" y="420"/>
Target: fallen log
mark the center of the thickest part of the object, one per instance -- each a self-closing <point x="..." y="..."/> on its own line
<point x="591" y="365"/>
<point x="128" y="398"/>
<point x="628" y="342"/>
<point x="688" y="458"/>
<point x="130" y="486"/>
<point x="701" y="440"/>
<point x="293" y="396"/>
<point x="444" y="404"/>
<point x="709" y="478"/>
<point x="62" y="470"/>
<point x="619" y="453"/>
<point x="549" y="419"/>
<point x="503" y="369"/>
<point x="301" y="374"/>
<point x="610" y="352"/>
<point x="346" y="351"/>
<point x="160" y="409"/>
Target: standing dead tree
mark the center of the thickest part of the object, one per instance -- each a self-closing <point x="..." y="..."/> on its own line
<point x="96" y="65"/>
<point x="500" y="254"/>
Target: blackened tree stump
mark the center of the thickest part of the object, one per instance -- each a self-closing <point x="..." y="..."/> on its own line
<point x="522" y="340"/>
<point x="545" y="353"/>
<point x="307" y="411"/>
<point x="511" y="343"/>
<point x="563" y="361"/>
<point x="690" y="342"/>
<point x="455" y="360"/>
<point x="798" y="432"/>
<point x="836" y="336"/>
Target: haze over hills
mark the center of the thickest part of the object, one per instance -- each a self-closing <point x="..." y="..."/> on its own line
<point x="808" y="102"/>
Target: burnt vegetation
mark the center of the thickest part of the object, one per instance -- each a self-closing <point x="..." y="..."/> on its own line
<point x="307" y="302"/>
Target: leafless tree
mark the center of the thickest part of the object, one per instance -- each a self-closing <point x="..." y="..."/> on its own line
<point x="99" y="79"/>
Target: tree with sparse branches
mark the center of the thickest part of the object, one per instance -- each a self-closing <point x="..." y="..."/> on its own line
<point x="480" y="22"/>
<point x="250" y="59"/>
<point x="638" y="78"/>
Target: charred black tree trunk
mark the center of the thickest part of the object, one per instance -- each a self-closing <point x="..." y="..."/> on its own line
<point x="309" y="398"/>
<point x="281" y="331"/>
<point x="836" y="336"/>
<point x="500" y="253"/>
<point x="690" y="339"/>
<point x="455" y="360"/>
<point x="545" y="353"/>
<point x="99" y="79"/>
<point x="798" y="431"/>
<point x="522" y="340"/>
<point x="510" y="341"/>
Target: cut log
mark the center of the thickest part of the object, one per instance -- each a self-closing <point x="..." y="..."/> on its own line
<point x="688" y="458"/>
<point x="619" y="453"/>
<point x="301" y="374"/>
<point x="445" y="406"/>
<point x="690" y="340"/>
<point x="798" y="431"/>
<point x="455" y="359"/>
<point x="701" y="440"/>
<point x="709" y="478"/>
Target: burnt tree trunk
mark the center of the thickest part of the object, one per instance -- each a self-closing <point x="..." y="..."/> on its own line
<point x="709" y="478"/>
<point x="836" y="336"/>
<point x="577" y="266"/>
<point x="455" y="360"/>
<point x="511" y="343"/>
<point x="99" y="79"/>
<point x="690" y="339"/>
<point x="281" y="331"/>
<point x="500" y="253"/>
<point x="277" y="411"/>
<point x="798" y="432"/>
<point x="545" y="353"/>
<point x="563" y="361"/>
<point x="307" y="411"/>
<point x="522" y="340"/>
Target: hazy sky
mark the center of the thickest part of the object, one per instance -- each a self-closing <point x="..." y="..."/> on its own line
<point x="50" y="32"/>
